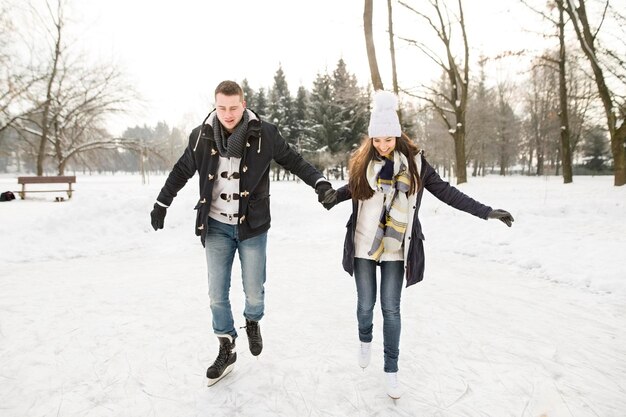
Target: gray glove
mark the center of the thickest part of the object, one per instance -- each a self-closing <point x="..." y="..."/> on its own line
<point x="326" y="194"/>
<point x="501" y="215"/>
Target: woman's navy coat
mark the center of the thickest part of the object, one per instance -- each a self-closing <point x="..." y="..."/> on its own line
<point x="413" y="241"/>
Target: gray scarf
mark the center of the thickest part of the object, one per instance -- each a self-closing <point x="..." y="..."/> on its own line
<point x="231" y="146"/>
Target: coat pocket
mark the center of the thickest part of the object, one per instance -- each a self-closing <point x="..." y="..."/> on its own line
<point x="258" y="211"/>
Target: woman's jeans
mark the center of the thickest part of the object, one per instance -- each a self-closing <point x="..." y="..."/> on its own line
<point x="220" y="245"/>
<point x="392" y="274"/>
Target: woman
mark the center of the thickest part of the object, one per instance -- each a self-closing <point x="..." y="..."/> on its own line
<point x="388" y="175"/>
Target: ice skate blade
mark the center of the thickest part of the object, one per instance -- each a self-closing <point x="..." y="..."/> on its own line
<point x="226" y="372"/>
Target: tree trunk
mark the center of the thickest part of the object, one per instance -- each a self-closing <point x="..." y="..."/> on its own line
<point x="45" y="125"/>
<point x="342" y="176"/>
<point x="566" y="154"/>
<point x="617" y="134"/>
<point x="58" y="152"/>
<point x="377" y="82"/>
<point x="459" y="153"/>
<point x="460" y="82"/>
<point x="392" y="50"/>
<point x="540" y="164"/>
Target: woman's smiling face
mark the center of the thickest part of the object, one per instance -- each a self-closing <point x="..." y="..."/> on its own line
<point x="384" y="145"/>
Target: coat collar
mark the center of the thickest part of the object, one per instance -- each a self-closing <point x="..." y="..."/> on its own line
<point x="254" y="125"/>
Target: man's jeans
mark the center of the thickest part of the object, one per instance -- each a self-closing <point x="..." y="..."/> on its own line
<point x="220" y="245"/>
<point x="392" y="274"/>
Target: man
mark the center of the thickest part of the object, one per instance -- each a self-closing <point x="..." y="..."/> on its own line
<point x="231" y="152"/>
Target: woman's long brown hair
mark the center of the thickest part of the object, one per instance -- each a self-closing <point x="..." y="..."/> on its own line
<point x="359" y="187"/>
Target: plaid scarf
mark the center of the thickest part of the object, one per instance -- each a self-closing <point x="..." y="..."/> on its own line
<point x="391" y="176"/>
<point x="231" y="146"/>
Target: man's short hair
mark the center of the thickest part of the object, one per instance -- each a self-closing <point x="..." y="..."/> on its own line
<point x="229" y="88"/>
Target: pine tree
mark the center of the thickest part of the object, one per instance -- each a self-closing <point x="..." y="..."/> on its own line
<point x="325" y="127"/>
<point x="279" y="109"/>
<point x="161" y="132"/>
<point x="352" y="105"/>
<point x="248" y="93"/>
<point x="301" y="117"/>
<point x="595" y="149"/>
<point x="260" y="103"/>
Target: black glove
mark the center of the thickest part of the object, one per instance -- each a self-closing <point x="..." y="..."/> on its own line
<point x="157" y="216"/>
<point x="331" y="204"/>
<point x="326" y="194"/>
<point x="501" y="215"/>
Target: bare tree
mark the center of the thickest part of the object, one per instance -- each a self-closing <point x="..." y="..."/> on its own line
<point x="435" y="141"/>
<point x="605" y="63"/>
<point x="392" y="48"/>
<point x="541" y="110"/>
<point x="16" y="80"/>
<point x="392" y="51"/>
<point x="566" y="152"/>
<point x="453" y="113"/>
<point x="581" y="95"/>
<point x="368" y="12"/>
<point x="57" y="20"/>
<point x="84" y="98"/>
<point x="506" y="128"/>
<point x="69" y="111"/>
<point x="481" y="123"/>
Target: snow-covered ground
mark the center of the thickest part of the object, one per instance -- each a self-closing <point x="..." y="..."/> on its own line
<point x="101" y="316"/>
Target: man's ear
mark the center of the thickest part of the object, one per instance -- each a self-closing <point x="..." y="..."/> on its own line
<point x="244" y="104"/>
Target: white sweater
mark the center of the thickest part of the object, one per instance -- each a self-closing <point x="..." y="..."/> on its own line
<point x="225" y="209"/>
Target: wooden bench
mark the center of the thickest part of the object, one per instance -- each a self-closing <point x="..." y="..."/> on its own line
<point x="69" y="180"/>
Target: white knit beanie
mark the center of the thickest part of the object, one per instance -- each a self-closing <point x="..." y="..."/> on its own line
<point x="384" y="120"/>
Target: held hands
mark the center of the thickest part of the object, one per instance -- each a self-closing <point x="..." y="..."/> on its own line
<point x="330" y="204"/>
<point x="326" y="195"/>
<point x="157" y="216"/>
<point x="501" y="215"/>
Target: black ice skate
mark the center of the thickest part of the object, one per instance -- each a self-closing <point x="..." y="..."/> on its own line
<point x="255" y="342"/>
<point x="225" y="360"/>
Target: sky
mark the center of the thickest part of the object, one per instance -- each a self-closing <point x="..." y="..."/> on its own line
<point x="102" y="316"/>
<point x="176" y="53"/>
